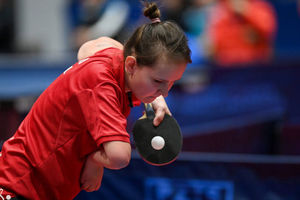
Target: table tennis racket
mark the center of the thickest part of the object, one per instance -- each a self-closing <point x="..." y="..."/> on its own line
<point x="157" y="145"/>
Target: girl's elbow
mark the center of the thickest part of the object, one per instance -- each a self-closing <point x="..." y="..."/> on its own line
<point x="119" y="161"/>
<point x="118" y="153"/>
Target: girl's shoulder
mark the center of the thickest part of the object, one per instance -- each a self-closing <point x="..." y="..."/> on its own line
<point x="91" y="47"/>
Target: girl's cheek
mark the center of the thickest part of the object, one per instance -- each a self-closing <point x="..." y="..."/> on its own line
<point x="170" y="85"/>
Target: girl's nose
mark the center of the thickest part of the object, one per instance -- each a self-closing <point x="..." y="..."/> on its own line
<point x="164" y="90"/>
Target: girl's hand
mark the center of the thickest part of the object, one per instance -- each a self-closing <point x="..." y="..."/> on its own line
<point x="160" y="108"/>
<point x="91" y="175"/>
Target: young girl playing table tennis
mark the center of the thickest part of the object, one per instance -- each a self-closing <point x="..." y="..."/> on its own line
<point x="78" y="124"/>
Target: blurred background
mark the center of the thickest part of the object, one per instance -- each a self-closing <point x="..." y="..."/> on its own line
<point x="237" y="103"/>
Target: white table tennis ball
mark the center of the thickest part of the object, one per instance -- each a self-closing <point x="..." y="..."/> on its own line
<point x="158" y="142"/>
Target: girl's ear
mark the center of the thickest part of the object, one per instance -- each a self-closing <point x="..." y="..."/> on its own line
<point x="130" y="64"/>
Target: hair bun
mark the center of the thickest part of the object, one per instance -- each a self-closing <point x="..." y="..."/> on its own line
<point x="151" y="10"/>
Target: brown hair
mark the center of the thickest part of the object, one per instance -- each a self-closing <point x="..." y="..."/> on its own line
<point x="151" y="41"/>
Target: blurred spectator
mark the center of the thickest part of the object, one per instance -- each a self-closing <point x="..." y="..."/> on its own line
<point x="196" y="15"/>
<point x="94" y="18"/>
<point x="241" y="32"/>
<point x="7" y="26"/>
<point x="173" y="10"/>
<point x="195" y="18"/>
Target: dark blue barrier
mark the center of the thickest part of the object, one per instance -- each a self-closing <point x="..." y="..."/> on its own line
<point x="212" y="178"/>
<point x="17" y="82"/>
<point x="28" y="76"/>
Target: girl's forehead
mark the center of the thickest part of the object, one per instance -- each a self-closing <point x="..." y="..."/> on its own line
<point x="169" y="65"/>
<point x="168" y="70"/>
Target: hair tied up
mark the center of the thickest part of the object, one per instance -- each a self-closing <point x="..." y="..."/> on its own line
<point x="155" y="20"/>
<point x="151" y="11"/>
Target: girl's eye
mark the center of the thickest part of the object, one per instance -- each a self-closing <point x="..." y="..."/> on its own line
<point x="157" y="81"/>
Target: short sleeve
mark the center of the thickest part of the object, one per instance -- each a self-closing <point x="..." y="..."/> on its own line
<point x="102" y="113"/>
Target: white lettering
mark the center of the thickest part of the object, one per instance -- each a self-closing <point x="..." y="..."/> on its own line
<point x="81" y="61"/>
<point x="1" y="191"/>
<point x="68" y="69"/>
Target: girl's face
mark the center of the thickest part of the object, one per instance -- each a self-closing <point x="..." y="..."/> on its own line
<point x="147" y="83"/>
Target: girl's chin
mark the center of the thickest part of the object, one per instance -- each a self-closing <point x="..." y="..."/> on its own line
<point x="148" y="99"/>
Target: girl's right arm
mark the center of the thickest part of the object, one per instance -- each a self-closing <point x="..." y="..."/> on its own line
<point x="113" y="155"/>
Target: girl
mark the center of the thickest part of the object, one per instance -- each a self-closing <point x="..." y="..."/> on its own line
<point x="78" y="124"/>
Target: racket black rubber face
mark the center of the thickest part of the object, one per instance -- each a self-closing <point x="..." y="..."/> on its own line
<point x="169" y="130"/>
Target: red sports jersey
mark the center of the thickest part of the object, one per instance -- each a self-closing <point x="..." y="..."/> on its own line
<point x="84" y="107"/>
